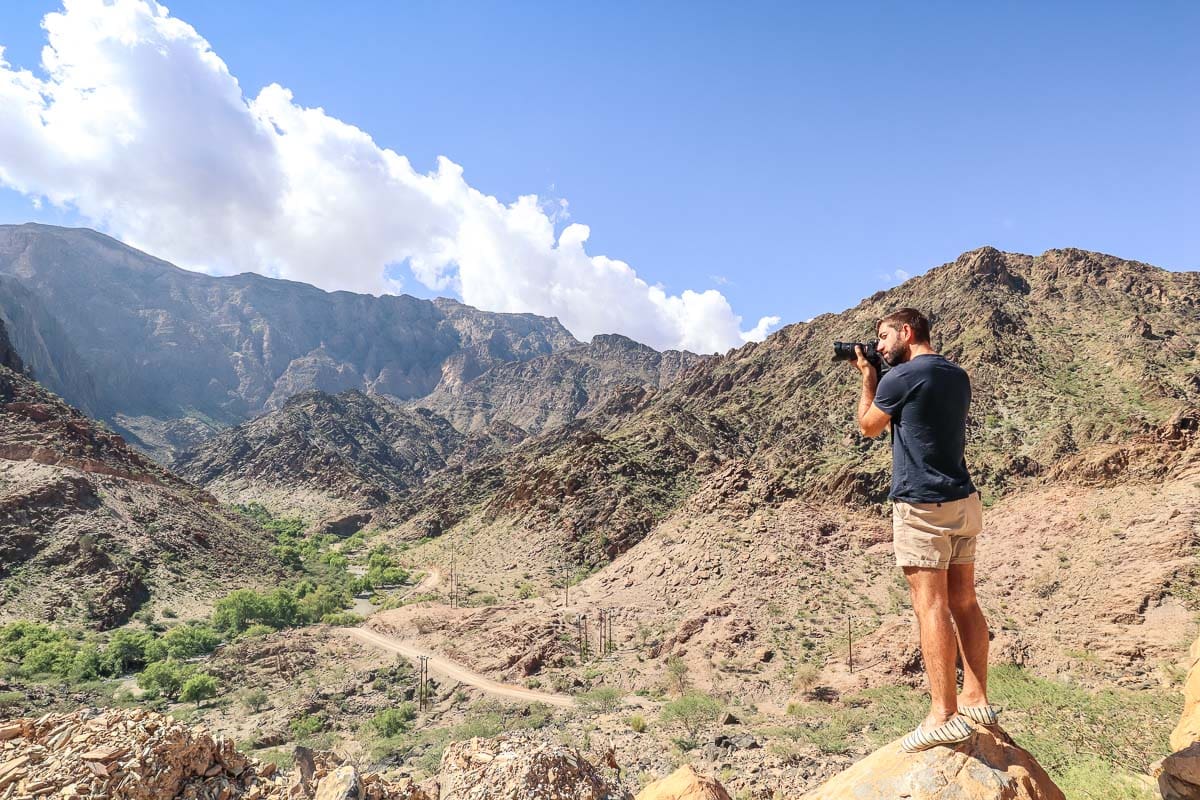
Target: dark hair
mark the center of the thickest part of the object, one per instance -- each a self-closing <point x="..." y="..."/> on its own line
<point x="910" y="317"/>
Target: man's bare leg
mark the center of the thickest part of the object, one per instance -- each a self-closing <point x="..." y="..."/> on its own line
<point x="939" y="649"/>
<point x="972" y="633"/>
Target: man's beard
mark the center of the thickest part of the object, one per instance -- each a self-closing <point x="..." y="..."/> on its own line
<point x="898" y="355"/>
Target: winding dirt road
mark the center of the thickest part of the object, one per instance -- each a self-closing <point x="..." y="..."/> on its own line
<point x="452" y="670"/>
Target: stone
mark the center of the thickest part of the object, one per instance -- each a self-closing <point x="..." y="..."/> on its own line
<point x="684" y="783"/>
<point x="516" y="766"/>
<point x="341" y="784"/>
<point x="988" y="766"/>
<point x="1188" y="729"/>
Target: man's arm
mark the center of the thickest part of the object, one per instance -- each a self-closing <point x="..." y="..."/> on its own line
<point x="871" y="418"/>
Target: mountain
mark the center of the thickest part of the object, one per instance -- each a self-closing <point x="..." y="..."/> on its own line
<point x="90" y="529"/>
<point x="551" y="390"/>
<point x="170" y="356"/>
<point x="1066" y="350"/>
<point x="332" y="456"/>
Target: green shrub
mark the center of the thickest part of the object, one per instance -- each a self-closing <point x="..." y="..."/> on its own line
<point x="601" y="700"/>
<point x="342" y="618"/>
<point x="393" y="721"/>
<point x="306" y="725"/>
<point x="637" y="723"/>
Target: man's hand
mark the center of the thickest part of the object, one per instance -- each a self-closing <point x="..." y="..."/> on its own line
<point x="862" y="365"/>
<point x="871" y="419"/>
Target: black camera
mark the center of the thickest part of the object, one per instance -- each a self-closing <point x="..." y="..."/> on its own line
<point x="844" y="351"/>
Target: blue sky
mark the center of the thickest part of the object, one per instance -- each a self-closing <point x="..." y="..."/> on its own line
<point x="790" y="156"/>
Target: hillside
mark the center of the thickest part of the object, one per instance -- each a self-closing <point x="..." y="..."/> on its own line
<point x="169" y="356"/>
<point x="91" y="529"/>
<point x="328" y="456"/>
<point x="1067" y="350"/>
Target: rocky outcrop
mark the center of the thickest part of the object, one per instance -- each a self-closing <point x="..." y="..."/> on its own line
<point x="989" y="766"/>
<point x="516" y="767"/>
<point x="1179" y="773"/>
<point x="684" y="784"/>
<point x="8" y="354"/>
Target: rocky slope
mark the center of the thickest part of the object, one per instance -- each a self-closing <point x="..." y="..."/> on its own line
<point x="324" y="455"/>
<point x="1066" y="350"/>
<point x="551" y="390"/>
<point x="170" y="355"/>
<point x="90" y="529"/>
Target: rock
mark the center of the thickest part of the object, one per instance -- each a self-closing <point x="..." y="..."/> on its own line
<point x="1188" y="729"/>
<point x="341" y="784"/>
<point x="151" y="756"/>
<point x="745" y="742"/>
<point x="516" y="767"/>
<point x="684" y="784"/>
<point x="989" y="766"/>
<point x="729" y="719"/>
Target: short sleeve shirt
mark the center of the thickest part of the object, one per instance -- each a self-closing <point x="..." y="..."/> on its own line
<point x="927" y="398"/>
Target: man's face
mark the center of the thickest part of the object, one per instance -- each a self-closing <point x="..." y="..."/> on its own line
<point x="893" y="344"/>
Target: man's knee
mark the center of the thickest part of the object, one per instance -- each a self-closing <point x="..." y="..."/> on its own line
<point x="963" y="603"/>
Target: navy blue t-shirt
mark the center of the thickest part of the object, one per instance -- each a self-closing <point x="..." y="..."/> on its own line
<point x="927" y="398"/>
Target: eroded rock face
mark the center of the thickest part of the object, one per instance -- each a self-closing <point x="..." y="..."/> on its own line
<point x="516" y="767"/>
<point x="989" y="766"/>
<point x="1188" y="729"/>
<point x="684" y="784"/>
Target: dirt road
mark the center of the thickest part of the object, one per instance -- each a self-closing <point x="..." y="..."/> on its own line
<point x="451" y="670"/>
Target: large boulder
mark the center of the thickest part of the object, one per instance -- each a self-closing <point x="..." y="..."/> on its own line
<point x="1179" y="774"/>
<point x="988" y="766"/>
<point x="684" y="784"/>
<point x="518" y="767"/>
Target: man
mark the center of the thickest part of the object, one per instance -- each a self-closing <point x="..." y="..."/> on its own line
<point x="936" y="516"/>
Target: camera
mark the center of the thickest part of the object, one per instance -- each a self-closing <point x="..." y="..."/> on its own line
<point x="844" y="351"/>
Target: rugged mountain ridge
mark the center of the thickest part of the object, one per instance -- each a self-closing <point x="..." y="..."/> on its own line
<point x="551" y="390"/>
<point x="328" y="456"/>
<point x="1066" y="350"/>
<point x="90" y="529"/>
<point x="169" y="356"/>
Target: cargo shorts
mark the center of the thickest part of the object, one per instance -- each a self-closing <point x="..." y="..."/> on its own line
<point x="936" y="534"/>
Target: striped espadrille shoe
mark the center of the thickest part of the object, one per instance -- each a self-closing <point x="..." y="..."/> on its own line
<point x="984" y="715"/>
<point x="955" y="731"/>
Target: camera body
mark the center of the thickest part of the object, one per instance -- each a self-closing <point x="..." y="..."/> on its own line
<point x="844" y="351"/>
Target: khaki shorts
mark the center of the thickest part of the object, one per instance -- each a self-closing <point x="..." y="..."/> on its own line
<point x="936" y="534"/>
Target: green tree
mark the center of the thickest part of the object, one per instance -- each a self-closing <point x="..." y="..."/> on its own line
<point x="255" y="700"/>
<point x="189" y="641"/>
<point x="693" y="712"/>
<point x="164" y="678"/>
<point x="198" y="688"/>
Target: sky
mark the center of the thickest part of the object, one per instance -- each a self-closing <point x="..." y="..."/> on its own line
<point x="689" y="174"/>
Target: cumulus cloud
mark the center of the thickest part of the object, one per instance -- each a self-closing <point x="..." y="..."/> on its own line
<point x="140" y="126"/>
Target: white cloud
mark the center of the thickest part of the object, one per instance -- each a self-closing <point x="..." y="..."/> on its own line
<point x="139" y="125"/>
<point x="894" y="277"/>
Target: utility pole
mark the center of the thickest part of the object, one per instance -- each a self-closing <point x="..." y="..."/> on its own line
<point x="849" y="638"/>
<point x="423" y="683"/>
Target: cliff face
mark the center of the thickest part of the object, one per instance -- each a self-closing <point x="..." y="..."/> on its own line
<point x="170" y="355"/>
<point x="551" y="390"/>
